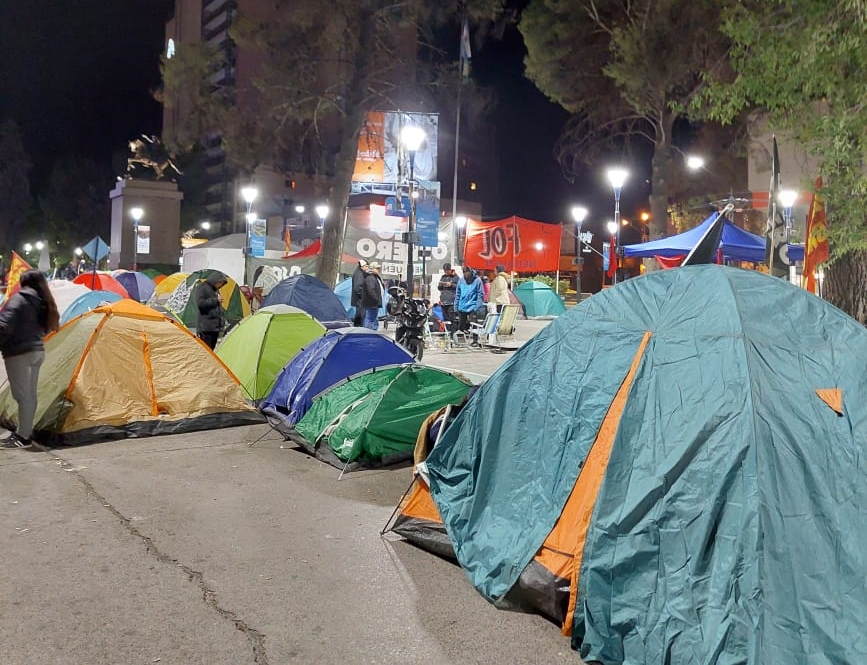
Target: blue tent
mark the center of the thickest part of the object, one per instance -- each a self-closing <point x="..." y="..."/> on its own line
<point x="139" y="286"/>
<point x="324" y="362"/>
<point x="310" y="294"/>
<point x="343" y="291"/>
<point x="86" y="302"/>
<point x="736" y="244"/>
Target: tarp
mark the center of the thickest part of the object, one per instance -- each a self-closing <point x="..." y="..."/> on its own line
<point x="675" y="468"/>
<point x="737" y="244"/>
<point x="308" y="293"/>
<point x="327" y="360"/>
<point x="373" y="418"/>
<point x="538" y="299"/>
<point x="257" y="348"/>
<point x="521" y="245"/>
<point x="126" y="371"/>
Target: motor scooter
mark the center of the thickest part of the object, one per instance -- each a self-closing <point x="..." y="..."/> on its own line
<point x="411" y="315"/>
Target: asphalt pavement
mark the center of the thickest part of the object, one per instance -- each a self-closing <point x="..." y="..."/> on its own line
<point x="231" y="547"/>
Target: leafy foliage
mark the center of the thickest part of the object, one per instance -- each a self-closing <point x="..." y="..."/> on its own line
<point x="625" y="70"/>
<point x="802" y="63"/>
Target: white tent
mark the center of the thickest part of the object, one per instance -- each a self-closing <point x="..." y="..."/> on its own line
<point x="226" y="254"/>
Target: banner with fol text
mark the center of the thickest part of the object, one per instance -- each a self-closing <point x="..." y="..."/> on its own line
<point x="520" y="245"/>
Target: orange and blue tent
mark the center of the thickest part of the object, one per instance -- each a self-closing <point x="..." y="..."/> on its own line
<point x="673" y="470"/>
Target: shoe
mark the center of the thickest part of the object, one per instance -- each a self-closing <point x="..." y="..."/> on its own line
<point x="14" y="441"/>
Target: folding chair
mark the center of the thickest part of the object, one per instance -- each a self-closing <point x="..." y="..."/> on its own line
<point x="488" y="329"/>
<point x="505" y="328"/>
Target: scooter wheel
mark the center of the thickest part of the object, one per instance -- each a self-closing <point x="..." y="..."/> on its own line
<point x="415" y="347"/>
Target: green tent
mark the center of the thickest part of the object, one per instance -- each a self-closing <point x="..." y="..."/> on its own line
<point x="539" y="299"/>
<point x="182" y="300"/>
<point x="257" y="348"/>
<point x="676" y="470"/>
<point x="373" y="418"/>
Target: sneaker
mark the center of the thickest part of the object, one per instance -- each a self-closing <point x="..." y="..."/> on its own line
<point x="14" y="441"/>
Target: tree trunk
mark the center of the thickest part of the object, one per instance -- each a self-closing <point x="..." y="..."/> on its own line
<point x="844" y="285"/>
<point x="660" y="167"/>
<point x="338" y="196"/>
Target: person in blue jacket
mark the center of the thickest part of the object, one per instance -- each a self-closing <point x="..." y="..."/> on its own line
<point x="469" y="297"/>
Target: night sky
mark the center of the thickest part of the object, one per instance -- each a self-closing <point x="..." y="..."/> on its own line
<point x="78" y="77"/>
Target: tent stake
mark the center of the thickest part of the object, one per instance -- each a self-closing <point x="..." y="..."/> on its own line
<point x="397" y="507"/>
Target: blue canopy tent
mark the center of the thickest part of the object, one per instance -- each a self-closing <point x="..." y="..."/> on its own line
<point x="736" y="244"/>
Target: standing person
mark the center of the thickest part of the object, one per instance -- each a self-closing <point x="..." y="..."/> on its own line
<point x="209" y="302"/>
<point x="468" y="298"/>
<point x="371" y="296"/>
<point x="357" y="286"/>
<point x="29" y="315"/>
<point x="448" y="286"/>
<point x="499" y="289"/>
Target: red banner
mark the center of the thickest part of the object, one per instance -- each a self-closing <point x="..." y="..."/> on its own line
<point x="816" y="252"/>
<point x="518" y="244"/>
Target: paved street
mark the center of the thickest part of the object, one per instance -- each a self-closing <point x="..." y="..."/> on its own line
<point x="228" y="547"/>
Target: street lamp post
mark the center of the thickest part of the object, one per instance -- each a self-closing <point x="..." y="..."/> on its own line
<point x="137" y="214"/>
<point x="579" y="214"/>
<point x="322" y="211"/>
<point x="412" y="138"/>
<point x="249" y="194"/>
<point x="617" y="177"/>
<point x="460" y="223"/>
<point x="787" y="199"/>
<point x="613" y="230"/>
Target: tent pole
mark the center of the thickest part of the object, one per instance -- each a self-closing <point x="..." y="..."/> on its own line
<point x="343" y="471"/>
<point x="397" y="507"/>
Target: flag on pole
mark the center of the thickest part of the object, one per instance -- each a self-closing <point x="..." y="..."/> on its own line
<point x="612" y="258"/>
<point x="776" y="243"/>
<point x="707" y="248"/>
<point x="816" y="252"/>
<point x="466" y="51"/>
<point x="287" y="238"/>
<point x="17" y="268"/>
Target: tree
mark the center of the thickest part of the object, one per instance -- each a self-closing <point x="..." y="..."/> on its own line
<point x="15" y="200"/>
<point x="626" y="71"/>
<point x="317" y="75"/>
<point x="802" y="62"/>
<point x="73" y="205"/>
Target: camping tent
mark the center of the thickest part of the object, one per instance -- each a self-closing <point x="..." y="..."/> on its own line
<point x="164" y="288"/>
<point x="101" y="281"/>
<point x="539" y="299"/>
<point x="311" y="295"/>
<point x="373" y="418"/>
<point x="126" y="371"/>
<point x="674" y="470"/>
<point x="182" y="300"/>
<point x="736" y="244"/>
<point x="324" y="362"/>
<point x="343" y="291"/>
<point x="257" y="348"/>
<point x="65" y="292"/>
<point x="139" y="286"/>
<point x="86" y="302"/>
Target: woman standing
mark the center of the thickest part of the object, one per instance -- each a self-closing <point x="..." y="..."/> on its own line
<point x="29" y="315"/>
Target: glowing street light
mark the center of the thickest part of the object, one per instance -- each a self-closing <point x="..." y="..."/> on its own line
<point x="579" y="214"/>
<point x="322" y="211"/>
<point x="787" y="198"/>
<point x="694" y="162"/>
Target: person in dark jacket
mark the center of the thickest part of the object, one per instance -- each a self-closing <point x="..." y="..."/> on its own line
<point x="448" y="286"/>
<point x="372" y="292"/>
<point x="210" y="319"/>
<point x="29" y="315"/>
<point x="357" y="285"/>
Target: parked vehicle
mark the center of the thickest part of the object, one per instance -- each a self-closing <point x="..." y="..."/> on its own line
<point x="411" y="317"/>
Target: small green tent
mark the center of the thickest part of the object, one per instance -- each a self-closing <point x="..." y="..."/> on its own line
<point x="257" y="348"/>
<point x="373" y="418"/>
<point x="539" y="300"/>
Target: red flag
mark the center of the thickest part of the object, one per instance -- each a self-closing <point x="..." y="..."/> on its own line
<point x="816" y="251"/>
<point x="667" y="262"/>
<point x="612" y="257"/>
<point x="18" y="267"/>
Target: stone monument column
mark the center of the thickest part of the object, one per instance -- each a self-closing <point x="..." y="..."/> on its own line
<point x="159" y="229"/>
